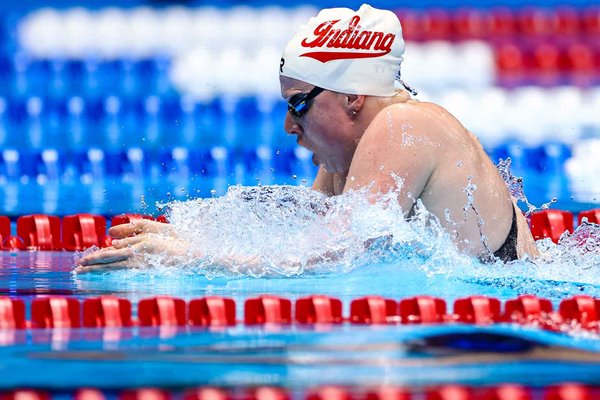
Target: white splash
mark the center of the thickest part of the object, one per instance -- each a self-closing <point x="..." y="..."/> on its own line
<point x="360" y="246"/>
<point x="287" y="231"/>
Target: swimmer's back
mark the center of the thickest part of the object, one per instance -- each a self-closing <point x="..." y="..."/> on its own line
<point x="461" y="186"/>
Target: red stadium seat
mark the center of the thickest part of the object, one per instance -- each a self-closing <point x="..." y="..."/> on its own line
<point x="503" y="22"/>
<point x="535" y="21"/>
<point x="590" y="20"/>
<point x="437" y="25"/>
<point x="471" y="23"/>
<point x="412" y="26"/>
<point x="567" y="21"/>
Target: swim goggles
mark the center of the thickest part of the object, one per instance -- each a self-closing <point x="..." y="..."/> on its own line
<point x="300" y="103"/>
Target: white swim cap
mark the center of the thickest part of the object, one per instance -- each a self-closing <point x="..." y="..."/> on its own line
<point x="355" y="52"/>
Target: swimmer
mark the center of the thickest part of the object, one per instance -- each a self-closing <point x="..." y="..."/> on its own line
<point x="340" y="75"/>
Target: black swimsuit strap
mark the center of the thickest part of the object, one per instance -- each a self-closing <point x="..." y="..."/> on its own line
<point x="508" y="250"/>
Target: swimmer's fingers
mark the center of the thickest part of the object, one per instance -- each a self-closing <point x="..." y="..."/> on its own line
<point x="138" y="227"/>
<point x="150" y="243"/>
<point x="106" y="256"/>
<point x="103" y="267"/>
<point x="129" y="241"/>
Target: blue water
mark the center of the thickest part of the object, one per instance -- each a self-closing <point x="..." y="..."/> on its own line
<point x="296" y="356"/>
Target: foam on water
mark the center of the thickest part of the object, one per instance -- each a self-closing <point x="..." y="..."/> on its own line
<point x="289" y="231"/>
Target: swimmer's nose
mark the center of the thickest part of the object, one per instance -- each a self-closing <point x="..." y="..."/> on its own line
<point x="291" y="126"/>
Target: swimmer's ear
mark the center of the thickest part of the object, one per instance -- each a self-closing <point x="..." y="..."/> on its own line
<point x="354" y="103"/>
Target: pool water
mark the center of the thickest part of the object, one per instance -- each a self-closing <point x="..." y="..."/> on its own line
<point x="286" y="226"/>
<point x="286" y="355"/>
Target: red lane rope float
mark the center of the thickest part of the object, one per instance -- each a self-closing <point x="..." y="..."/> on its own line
<point x="40" y="232"/>
<point x="162" y="311"/>
<point x="82" y="231"/>
<point x="504" y="391"/>
<point x="12" y="313"/>
<point x="328" y="393"/>
<point x="267" y="309"/>
<point x="508" y="392"/>
<point x="477" y="310"/>
<point x="372" y="310"/>
<point x="551" y="224"/>
<point x="207" y="393"/>
<point x="580" y="311"/>
<point x="449" y="392"/>
<point x="88" y="394"/>
<point x="106" y="311"/>
<point x="569" y="391"/>
<point x="422" y="310"/>
<point x="319" y="309"/>
<point x="591" y="215"/>
<point x="388" y="393"/>
<point x="55" y="312"/>
<point x="212" y="311"/>
<point x="145" y="394"/>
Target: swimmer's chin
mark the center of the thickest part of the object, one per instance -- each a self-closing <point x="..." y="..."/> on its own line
<point x="315" y="161"/>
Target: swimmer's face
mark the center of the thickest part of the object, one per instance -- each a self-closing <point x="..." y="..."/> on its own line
<point x="322" y="127"/>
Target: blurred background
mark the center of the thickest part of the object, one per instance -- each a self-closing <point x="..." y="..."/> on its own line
<point x="110" y="106"/>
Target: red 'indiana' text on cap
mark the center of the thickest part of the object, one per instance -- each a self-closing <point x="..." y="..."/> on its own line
<point x="351" y="38"/>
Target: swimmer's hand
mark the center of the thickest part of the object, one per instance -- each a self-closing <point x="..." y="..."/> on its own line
<point x="132" y="244"/>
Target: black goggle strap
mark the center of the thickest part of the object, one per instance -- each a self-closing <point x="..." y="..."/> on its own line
<point x="300" y="105"/>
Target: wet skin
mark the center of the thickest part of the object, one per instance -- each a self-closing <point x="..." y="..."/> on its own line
<point x="417" y="149"/>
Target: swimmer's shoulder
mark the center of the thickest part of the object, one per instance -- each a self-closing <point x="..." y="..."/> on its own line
<point x="414" y="109"/>
<point x="422" y="117"/>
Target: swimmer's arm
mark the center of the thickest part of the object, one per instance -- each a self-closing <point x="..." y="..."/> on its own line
<point x="399" y="141"/>
<point x="134" y="242"/>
